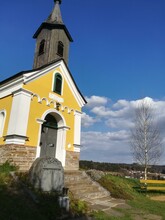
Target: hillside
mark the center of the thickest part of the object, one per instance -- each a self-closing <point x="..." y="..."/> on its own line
<point x="16" y="204"/>
<point x="117" y="167"/>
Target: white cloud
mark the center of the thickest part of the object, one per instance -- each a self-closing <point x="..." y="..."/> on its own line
<point x="122" y="123"/>
<point x="109" y="137"/>
<point x="103" y="139"/>
<point x="105" y="146"/>
<point x="88" y="120"/>
<point x="95" y="101"/>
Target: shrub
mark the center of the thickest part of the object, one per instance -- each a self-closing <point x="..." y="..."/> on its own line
<point x="7" y="167"/>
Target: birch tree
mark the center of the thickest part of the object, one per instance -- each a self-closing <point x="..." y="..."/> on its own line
<point x="146" y="141"/>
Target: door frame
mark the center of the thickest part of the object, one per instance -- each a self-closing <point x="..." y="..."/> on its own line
<point x="61" y="135"/>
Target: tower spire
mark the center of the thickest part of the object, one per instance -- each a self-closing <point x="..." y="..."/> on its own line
<point x="52" y="39"/>
<point x="55" y="17"/>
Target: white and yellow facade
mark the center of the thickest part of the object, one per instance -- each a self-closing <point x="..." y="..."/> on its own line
<point x="25" y="101"/>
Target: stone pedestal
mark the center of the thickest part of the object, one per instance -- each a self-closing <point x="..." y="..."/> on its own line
<point x="47" y="174"/>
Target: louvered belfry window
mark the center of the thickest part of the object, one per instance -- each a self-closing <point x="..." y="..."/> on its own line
<point x="41" y="47"/>
<point x="60" y="49"/>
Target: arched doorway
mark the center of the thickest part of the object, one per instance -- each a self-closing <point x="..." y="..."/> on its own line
<point x="48" y="140"/>
<point x="52" y="119"/>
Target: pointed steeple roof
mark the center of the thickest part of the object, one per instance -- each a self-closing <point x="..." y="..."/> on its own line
<point x="54" y="21"/>
<point x="55" y="17"/>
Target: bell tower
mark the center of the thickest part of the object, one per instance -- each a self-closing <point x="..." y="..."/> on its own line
<point x="52" y="39"/>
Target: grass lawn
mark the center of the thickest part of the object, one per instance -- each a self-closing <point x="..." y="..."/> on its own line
<point x="141" y="206"/>
<point x="17" y="204"/>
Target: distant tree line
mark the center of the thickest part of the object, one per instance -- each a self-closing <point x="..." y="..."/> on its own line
<point x="118" y="167"/>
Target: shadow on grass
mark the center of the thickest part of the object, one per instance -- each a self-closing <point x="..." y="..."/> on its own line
<point x="15" y="204"/>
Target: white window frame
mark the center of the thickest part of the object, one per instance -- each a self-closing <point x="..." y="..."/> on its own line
<point x="53" y="81"/>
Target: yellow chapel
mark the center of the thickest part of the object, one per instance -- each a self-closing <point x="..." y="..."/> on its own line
<point x="40" y="109"/>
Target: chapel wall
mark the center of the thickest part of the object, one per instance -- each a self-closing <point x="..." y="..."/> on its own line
<point x="72" y="160"/>
<point x="5" y="105"/>
<point x="18" y="155"/>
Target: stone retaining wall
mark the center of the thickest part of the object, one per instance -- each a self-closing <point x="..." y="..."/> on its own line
<point x="19" y="155"/>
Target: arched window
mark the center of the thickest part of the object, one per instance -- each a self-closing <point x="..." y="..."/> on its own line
<point x="60" y="49"/>
<point x="41" y="47"/>
<point x="2" y="122"/>
<point x="57" y="83"/>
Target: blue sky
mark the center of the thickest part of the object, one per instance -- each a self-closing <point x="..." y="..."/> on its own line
<point x="117" y="57"/>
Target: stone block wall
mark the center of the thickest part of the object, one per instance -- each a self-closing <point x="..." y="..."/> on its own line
<point x="23" y="157"/>
<point x="19" y="155"/>
<point x="72" y="160"/>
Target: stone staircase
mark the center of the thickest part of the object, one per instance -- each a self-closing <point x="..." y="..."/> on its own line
<point x="84" y="188"/>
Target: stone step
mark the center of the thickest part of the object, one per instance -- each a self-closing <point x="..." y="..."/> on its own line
<point x="80" y="185"/>
<point x="83" y="187"/>
<point x="93" y="195"/>
<point x="77" y="179"/>
<point x="74" y="176"/>
<point x="70" y="174"/>
<point x="84" y="190"/>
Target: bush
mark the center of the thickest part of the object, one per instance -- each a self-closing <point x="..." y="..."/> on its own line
<point x="7" y="167"/>
<point x="77" y="207"/>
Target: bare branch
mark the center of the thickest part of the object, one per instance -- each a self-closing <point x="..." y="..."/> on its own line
<point x="146" y="142"/>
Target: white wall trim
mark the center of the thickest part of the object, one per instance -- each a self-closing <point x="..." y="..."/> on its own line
<point x="61" y="135"/>
<point x="15" y="139"/>
<point x="57" y="72"/>
<point x="40" y="121"/>
<point x="2" y="121"/>
<point x="19" y="115"/>
<point x="72" y="86"/>
<point x="76" y="148"/>
<point x="54" y="97"/>
<point x="77" y="127"/>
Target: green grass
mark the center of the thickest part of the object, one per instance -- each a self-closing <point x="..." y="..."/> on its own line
<point x="140" y="203"/>
<point x="149" y="206"/>
<point x="16" y="204"/>
<point x="102" y="216"/>
<point x="120" y="187"/>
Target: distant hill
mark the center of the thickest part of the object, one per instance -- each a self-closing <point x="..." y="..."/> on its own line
<point x="118" y="167"/>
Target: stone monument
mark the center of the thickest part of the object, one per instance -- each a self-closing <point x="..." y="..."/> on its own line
<point x="47" y="174"/>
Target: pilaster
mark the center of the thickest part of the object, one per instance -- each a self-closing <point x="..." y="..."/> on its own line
<point x="19" y="116"/>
